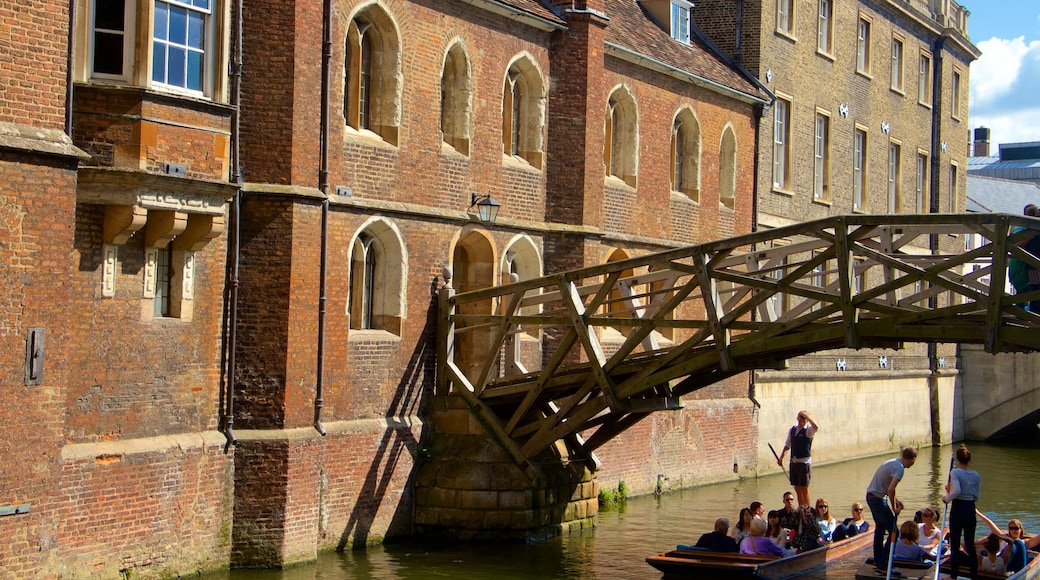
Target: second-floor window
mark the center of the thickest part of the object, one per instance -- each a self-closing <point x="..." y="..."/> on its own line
<point x="924" y="80"/>
<point x="859" y="170"/>
<point x="785" y="16"/>
<point x="921" y="195"/>
<point x="894" y="176"/>
<point x="897" y="64"/>
<point x="781" y="144"/>
<point x="825" y="33"/>
<point x="179" y="43"/>
<point x="955" y="90"/>
<point x="680" y="25"/>
<point x="863" y="47"/>
<point x="822" y="169"/>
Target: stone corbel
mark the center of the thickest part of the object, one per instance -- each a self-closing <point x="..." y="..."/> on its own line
<point x="163" y="227"/>
<point x="123" y="221"/>
<point x="201" y="229"/>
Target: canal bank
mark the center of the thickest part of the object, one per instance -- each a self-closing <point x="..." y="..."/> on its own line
<point x="616" y="548"/>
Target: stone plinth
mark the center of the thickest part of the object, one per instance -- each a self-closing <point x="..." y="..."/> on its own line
<point x="468" y="487"/>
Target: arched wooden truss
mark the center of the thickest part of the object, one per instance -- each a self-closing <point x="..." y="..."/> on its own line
<point x="621" y="340"/>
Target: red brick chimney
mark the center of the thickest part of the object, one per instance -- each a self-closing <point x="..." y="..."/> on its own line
<point x="982" y="142"/>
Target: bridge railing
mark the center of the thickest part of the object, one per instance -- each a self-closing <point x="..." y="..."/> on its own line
<point x="542" y="360"/>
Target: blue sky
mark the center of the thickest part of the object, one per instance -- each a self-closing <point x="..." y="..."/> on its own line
<point x="1005" y="80"/>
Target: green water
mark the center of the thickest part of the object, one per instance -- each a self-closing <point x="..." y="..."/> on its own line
<point x="646" y="525"/>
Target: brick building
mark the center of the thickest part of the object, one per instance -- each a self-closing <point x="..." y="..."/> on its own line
<point x="870" y="117"/>
<point x="227" y="222"/>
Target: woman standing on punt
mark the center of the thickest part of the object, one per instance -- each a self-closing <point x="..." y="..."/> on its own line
<point x="961" y="494"/>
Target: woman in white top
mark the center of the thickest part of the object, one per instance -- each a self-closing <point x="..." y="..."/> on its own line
<point x="995" y="561"/>
<point x="930" y="533"/>
<point x="743" y="527"/>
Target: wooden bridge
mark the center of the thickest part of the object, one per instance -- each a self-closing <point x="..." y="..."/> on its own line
<point x="542" y="362"/>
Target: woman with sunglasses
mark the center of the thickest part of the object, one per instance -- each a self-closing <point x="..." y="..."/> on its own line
<point x="825" y="520"/>
<point x="1015" y="539"/>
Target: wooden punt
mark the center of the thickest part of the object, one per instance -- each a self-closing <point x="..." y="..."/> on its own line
<point x="926" y="571"/>
<point x="704" y="563"/>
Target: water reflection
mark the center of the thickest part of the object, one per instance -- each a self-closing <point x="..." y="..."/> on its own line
<point x="645" y="525"/>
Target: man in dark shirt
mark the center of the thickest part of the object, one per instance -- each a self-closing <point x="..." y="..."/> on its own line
<point x="718" y="540"/>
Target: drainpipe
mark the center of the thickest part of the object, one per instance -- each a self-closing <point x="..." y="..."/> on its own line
<point x="933" y="239"/>
<point x="737" y="56"/>
<point x="323" y="185"/>
<point x="68" y="69"/>
<point x="228" y="419"/>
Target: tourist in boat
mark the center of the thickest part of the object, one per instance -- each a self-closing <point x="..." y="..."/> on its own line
<point x="742" y="529"/>
<point x="789" y="515"/>
<point x="807" y="534"/>
<point x="1016" y="541"/>
<point x="825" y="520"/>
<point x="718" y="540"/>
<point x="757" y="510"/>
<point x="775" y="531"/>
<point x="852" y="525"/>
<point x="758" y="545"/>
<point x="962" y="492"/>
<point x="799" y="441"/>
<point x="993" y="560"/>
<point x="929" y="535"/>
<point x="883" y="504"/>
<point x="907" y="547"/>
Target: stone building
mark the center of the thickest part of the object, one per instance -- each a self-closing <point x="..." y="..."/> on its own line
<point x="870" y="117"/>
<point x="226" y="223"/>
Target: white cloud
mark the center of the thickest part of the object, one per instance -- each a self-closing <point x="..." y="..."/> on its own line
<point x="1005" y="84"/>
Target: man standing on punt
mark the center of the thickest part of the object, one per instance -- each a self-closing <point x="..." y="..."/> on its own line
<point x="884" y="507"/>
<point x="799" y="441"/>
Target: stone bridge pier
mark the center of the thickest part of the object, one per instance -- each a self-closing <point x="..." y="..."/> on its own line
<point x="468" y="487"/>
<point x="997" y="395"/>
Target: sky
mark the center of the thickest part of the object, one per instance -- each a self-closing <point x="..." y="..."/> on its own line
<point x="1005" y="80"/>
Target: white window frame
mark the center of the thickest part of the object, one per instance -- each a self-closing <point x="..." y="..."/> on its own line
<point x="785" y="17"/>
<point x="955" y="93"/>
<point x="924" y="80"/>
<point x="922" y="194"/>
<point x="206" y="51"/>
<point x="863" y="56"/>
<point x="825" y="31"/>
<point x="822" y="157"/>
<point x="859" y="168"/>
<point x="895" y="173"/>
<point x="680" y="20"/>
<point x="898" y="50"/>
<point x="128" y="41"/>
<point x="782" y="143"/>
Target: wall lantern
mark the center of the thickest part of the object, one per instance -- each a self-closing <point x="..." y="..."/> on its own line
<point x="487" y="208"/>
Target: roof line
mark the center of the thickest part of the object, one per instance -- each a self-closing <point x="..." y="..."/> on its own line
<point x="654" y="64"/>
<point x="511" y="12"/>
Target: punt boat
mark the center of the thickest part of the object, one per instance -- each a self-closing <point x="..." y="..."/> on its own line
<point x="694" y="563"/>
<point x="926" y="571"/>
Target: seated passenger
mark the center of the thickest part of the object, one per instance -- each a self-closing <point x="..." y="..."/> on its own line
<point x="1016" y="542"/>
<point x="757" y="510"/>
<point x="992" y="559"/>
<point x="718" y="540"/>
<point x="825" y="520"/>
<point x="907" y="547"/>
<point x="807" y="534"/>
<point x="758" y="545"/>
<point x="928" y="534"/>
<point x="775" y="531"/>
<point x="851" y="526"/>
<point x="743" y="527"/>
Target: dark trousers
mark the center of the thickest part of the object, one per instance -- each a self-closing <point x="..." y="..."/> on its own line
<point x="962" y="524"/>
<point x="884" y="523"/>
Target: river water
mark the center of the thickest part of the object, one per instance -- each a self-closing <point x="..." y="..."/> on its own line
<point x="624" y="536"/>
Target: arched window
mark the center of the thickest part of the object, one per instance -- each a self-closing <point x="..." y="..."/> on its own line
<point x="686" y="155"/>
<point x="523" y="112"/>
<point x="456" y="100"/>
<point x="376" y="298"/>
<point x="621" y="139"/>
<point x="728" y="168"/>
<point x="371" y="91"/>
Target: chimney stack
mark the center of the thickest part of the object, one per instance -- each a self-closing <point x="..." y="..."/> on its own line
<point x="982" y="142"/>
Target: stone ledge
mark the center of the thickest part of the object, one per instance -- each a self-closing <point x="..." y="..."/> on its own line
<point x="37" y="140"/>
